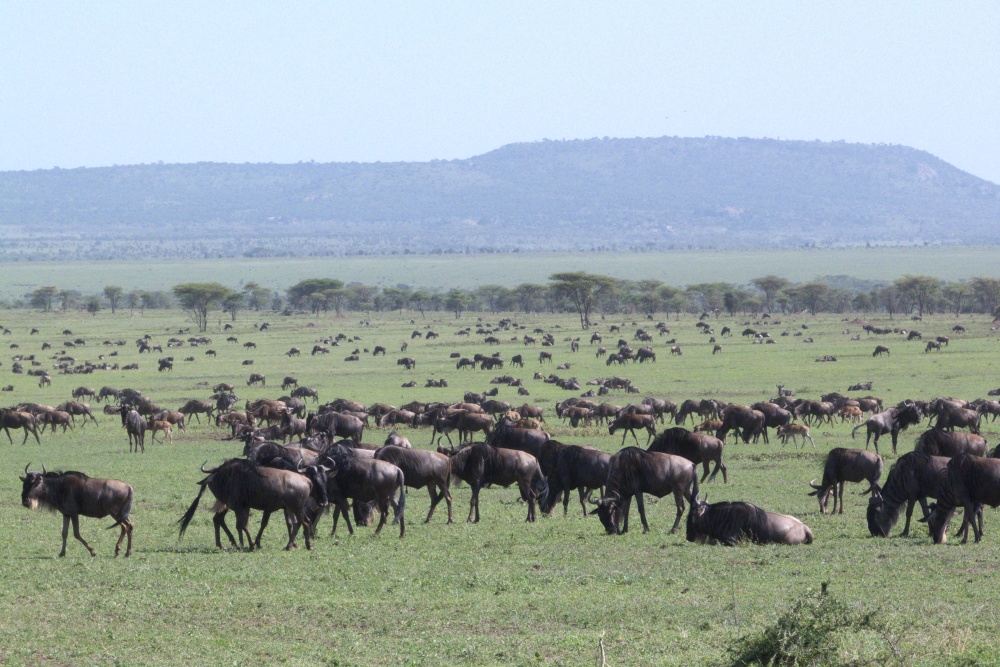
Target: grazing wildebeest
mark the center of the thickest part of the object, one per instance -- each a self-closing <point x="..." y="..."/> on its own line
<point x="422" y="468"/>
<point x="257" y="378"/>
<point x="289" y="381"/>
<point x="932" y="345"/>
<point x="73" y="494"/>
<point x="846" y="465"/>
<point x="890" y="421"/>
<point x="628" y="423"/>
<point x="633" y="472"/>
<point x="135" y="425"/>
<point x="165" y="365"/>
<point x="241" y="485"/>
<point x="695" y="447"/>
<point x="730" y="523"/>
<point x="17" y="419"/>
<point x="970" y="483"/>
<point x="80" y="392"/>
<point x="407" y="362"/>
<point x="336" y="424"/>
<point x="306" y="392"/>
<point x="378" y="350"/>
<point x="482" y="465"/>
<point x="544" y="356"/>
<point x="77" y="410"/>
<point x="107" y="393"/>
<point x="365" y="480"/>
<point x="913" y="478"/>
<point x="879" y="350"/>
<point x="294" y="352"/>
<point x="937" y="442"/>
<point x="576" y="467"/>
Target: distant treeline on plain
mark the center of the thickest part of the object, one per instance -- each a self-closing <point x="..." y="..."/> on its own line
<point x="580" y="293"/>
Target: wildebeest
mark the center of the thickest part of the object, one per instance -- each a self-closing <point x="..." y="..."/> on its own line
<point x="407" y="362"/>
<point x="745" y="421"/>
<point x="795" y="430"/>
<point x="698" y="448"/>
<point x="17" y="419"/>
<point x="482" y="465"/>
<point x="305" y="392"/>
<point x="913" y="478"/>
<point x="289" y="381"/>
<point x="970" y="483"/>
<point x="195" y="408"/>
<point x="730" y="523"/>
<point x="257" y="378"/>
<point x="77" y="410"/>
<point x="73" y="494"/>
<point x="422" y="468"/>
<point x="633" y="472"/>
<point x="241" y="485"/>
<point x="846" y="465"/>
<point x="575" y="467"/>
<point x="544" y="356"/>
<point x="936" y="442"/>
<point x="336" y="424"/>
<point x="890" y="421"/>
<point x="628" y="423"/>
<point x="879" y="350"/>
<point x="950" y="418"/>
<point x="365" y="480"/>
<point x="135" y="425"/>
<point x="80" y="392"/>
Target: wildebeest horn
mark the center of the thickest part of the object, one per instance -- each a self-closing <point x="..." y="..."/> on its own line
<point x="43" y="469"/>
<point x="814" y="485"/>
<point x="207" y="471"/>
<point x="26" y="468"/>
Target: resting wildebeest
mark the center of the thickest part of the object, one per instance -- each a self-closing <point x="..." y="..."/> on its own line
<point x="628" y="423"/>
<point x="242" y="485"/>
<point x="911" y="479"/>
<point x="970" y="483"/>
<point x="846" y="465"/>
<point x="422" y="468"/>
<point x="482" y="465"/>
<point x="890" y="421"/>
<point x="730" y="523"/>
<point x="695" y="447"/>
<point x="73" y="494"/>
<point x="937" y="442"/>
<point x="633" y="472"/>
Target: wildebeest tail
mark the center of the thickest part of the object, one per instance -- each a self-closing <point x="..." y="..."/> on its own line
<point x="855" y="429"/>
<point x="694" y="487"/>
<point x="186" y="519"/>
<point x="540" y="487"/>
<point x="126" y="510"/>
<point x="809" y="536"/>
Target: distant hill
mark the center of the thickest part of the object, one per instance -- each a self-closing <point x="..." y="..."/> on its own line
<point x="553" y="195"/>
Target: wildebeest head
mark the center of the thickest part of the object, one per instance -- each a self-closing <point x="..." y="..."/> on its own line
<point x="938" y="521"/>
<point x="609" y="512"/>
<point x="32" y="489"/>
<point x="318" y="475"/>
<point x="695" y="514"/>
<point x="878" y="523"/>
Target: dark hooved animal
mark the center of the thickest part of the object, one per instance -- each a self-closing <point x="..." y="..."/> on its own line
<point x="365" y="480"/>
<point x="628" y="423"/>
<point x="482" y="465"/>
<point x="731" y="523"/>
<point x="241" y="486"/>
<point x="135" y="425"/>
<point x="913" y="478"/>
<point x="890" y="421"/>
<point x="970" y="483"/>
<point x="698" y="448"/>
<point x="10" y="418"/>
<point x="422" y="468"/>
<point x="842" y="466"/>
<point x="633" y="472"/>
<point x="336" y="425"/>
<point x="937" y="442"/>
<point x="73" y="495"/>
<point x="576" y="467"/>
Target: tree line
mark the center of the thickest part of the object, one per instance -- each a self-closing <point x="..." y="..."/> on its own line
<point x="586" y="294"/>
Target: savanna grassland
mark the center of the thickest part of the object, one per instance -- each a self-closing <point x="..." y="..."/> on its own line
<point x="502" y="591"/>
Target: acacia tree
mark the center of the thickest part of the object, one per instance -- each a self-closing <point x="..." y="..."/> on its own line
<point x="199" y="298"/>
<point x="770" y="285"/>
<point x="43" y="297"/>
<point x="309" y="292"/>
<point x="113" y="293"/>
<point x="232" y="304"/>
<point x="457" y="301"/>
<point x="257" y="296"/>
<point x="583" y="290"/>
<point x="919" y="289"/>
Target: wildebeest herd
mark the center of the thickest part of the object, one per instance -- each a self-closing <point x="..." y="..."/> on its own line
<point x="303" y="461"/>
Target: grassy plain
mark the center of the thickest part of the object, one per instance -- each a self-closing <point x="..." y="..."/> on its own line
<point x="681" y="267"/>
<point x="502" y="591"/>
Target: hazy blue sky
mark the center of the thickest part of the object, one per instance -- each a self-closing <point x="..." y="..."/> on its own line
<point x="100" y="83"/>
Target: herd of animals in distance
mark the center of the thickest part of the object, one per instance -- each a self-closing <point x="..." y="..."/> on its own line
<point x="306" y="458"/>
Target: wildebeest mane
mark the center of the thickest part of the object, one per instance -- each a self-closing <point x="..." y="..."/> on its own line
<point x="625" y="470"/>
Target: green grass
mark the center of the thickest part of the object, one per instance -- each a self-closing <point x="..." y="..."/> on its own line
<point x="468" y="271"/>
<point x="502" y="591"/>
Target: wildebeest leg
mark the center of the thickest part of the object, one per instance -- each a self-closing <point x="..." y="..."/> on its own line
<point x="220" y="523"/>
<point x="474" y="503"/>
<point x="76" y="534"/>
<point x="342" y="509"/>
<point x="841" y="494"/>
<point x="584" y="493"/>
<point x="65" y="534"/>
<point x="650" y="432"/>
<point x="909" y="513"/>
<point x="632" y="430"/>
<point x="679" y="499"/>
<point x="435" y="499"/>
<point x="383" y="513"/>
<point x="806" y="435"/>
<point x="704" y="465"/>
<point x="7" y="431"/>
<point x="640" y="503"/>
<point x="126" y="527"/>
<point x="895" y="437"/>
<point x="243" y="526"/>
<point x="263" y="524"/>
